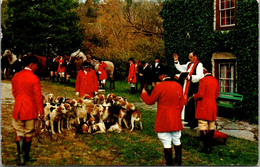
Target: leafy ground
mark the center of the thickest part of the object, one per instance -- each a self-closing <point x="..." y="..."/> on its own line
<point x="138" y="148"/>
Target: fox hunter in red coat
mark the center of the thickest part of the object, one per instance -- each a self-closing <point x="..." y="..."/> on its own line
<point x="131" y="75"/>
<point x="169" y="97"/>
<point x="206" y="108"/>
<point x="28" y="97"/>
<point x="102" y="73"/>
<point x="86" y="81"/>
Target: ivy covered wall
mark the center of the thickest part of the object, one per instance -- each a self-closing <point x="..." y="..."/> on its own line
<point x="188" y="26"/>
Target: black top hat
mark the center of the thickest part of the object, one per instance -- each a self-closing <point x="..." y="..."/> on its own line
<point x="86" y="64"/>
<point x="131" y="59"/>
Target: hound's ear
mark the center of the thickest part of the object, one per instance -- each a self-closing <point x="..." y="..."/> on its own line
<point x="59" y="109"/>
<point x="98" y="128"/>
<point x="52" y="108"/>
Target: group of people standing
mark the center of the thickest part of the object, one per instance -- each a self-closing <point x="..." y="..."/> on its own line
<point x="144" y="73"/>
<point x="195" y="96"/>
<point x="60" y="69"/>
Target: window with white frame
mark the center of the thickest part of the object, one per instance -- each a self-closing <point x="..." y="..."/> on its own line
<point x="225" y="14"/>
<point x="226" y="76"/>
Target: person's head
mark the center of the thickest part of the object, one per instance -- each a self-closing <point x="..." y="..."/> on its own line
<point x="156" y="59"/>
<point x="193" y="57"/>
<point x="31" y="62"/>
<point x="86" y="66"/>
<point x="143" y="63"/>
<point x="131" y="60"/>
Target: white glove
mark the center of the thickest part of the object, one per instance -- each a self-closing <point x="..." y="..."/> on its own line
<point x="99" y="72"/>
<point x="77" y="93"/>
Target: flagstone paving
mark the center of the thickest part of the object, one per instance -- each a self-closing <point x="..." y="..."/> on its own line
<point x="240" y="129"/>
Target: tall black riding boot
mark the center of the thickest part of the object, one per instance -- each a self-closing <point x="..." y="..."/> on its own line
<point x="178" y="154"/>
<point x="132" y="90"/>
<point x="210" y="139"/>
<point x="61" y="80"/>
<point x="68" y="82"/>
<point x="168" y="156"/>
<point x="20" y="151"/>
<point x="27" y="149"/>
<point x="204" y="138"/>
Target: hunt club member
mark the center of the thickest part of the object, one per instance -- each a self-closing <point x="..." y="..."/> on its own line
<point x="28" y="97"/>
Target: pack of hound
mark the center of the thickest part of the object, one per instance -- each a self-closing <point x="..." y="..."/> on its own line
<point x="98" y="114"/>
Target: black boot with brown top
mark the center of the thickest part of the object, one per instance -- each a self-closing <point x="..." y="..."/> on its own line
<point x="19" y="143"/>
<point x="27" y="149"/>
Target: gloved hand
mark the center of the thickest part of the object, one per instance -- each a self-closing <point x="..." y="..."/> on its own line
<point x="77" y="93"/>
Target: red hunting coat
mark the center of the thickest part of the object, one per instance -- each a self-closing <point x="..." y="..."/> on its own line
<point x="61" y="68"/>
<point x="131" y="74"/>
<point x="102" y="68"/>
<point x="205" y="99"/>
<point x="170" y="101"/>
<point x="28" y="96"/>
<point x="86" y="83"/>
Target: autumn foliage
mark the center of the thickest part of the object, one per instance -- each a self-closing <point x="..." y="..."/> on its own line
<point x="117" y="30"/>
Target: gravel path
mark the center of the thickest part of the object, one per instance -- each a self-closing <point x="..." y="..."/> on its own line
<point x="238" y="129"/>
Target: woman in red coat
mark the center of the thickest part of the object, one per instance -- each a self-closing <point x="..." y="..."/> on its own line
<point x="169" y="97"/>
<point x="206" y="108"/>
<point x="86" y="81"/>
<point x="102" y="73"/>
<point x="61" y="68"/>
<point x="131" y="75"/>
<point x="28" y="105"/>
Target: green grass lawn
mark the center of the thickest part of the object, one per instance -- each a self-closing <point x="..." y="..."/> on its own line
<point x="235" y="152"/>
<point x="137" y="148"/>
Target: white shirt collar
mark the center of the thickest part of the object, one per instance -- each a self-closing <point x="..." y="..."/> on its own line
<point x="166" y="78"/>
<point x="27" y="68"/>
<point x="207" y="74"/>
